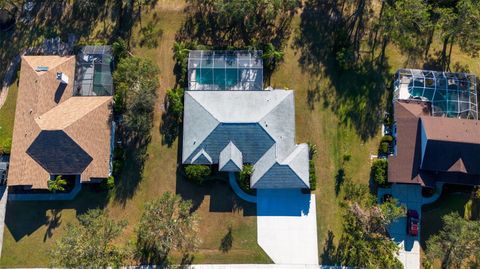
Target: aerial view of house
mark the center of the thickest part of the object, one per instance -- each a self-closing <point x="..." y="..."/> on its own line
<point x="62" y="122"/>
<point x="235" y="134"/>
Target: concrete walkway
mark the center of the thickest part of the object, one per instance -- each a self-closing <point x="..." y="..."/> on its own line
<point x="3" y="211"/>
<point x="238" y="191"/>
<point x="411" y="197"/>
<point x="287" y="226"/>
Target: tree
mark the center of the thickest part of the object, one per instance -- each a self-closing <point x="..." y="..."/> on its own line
<point x="365" y="242"/>
<point x="272" y="56"/>
<point x="197" y="172"/>
<point x="180" y="55"/>
<point x="58" y="184"/>
<point x="90" y="243"/>
<point x="120" y="49"/>
<point x="245" y="175"/>
<point x="407" y="24"/>
<point x="166" y="224"/>
<point x="136" y="83"/>
<point x="175" y="103"/>
<point x="457" y="245"/>
<point x="379" y="171"/>
<point x="458" y="24"/>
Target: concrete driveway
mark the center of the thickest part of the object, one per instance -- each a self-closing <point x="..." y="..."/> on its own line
<point x="411" y="197"/>
<point x="287" y="226"/>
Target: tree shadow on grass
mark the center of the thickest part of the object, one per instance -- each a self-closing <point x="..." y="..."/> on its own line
<point x="356" y="90"/>
<point x="24" y="218"/>
<point x="227" y="241"/>
<point x="131" y="175"/>
<point x="328" y="256"/>
<point x="339" y="179"/>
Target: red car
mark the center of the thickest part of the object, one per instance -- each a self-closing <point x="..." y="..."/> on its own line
<point x="412" y="222"/>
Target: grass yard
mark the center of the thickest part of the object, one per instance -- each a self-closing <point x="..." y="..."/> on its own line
<point x="328" y="114"/>
<point x="7" y="115"/>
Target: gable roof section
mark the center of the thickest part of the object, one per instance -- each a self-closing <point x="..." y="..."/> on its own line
<point x="292" y="172"/>
<point x="230" y="159"/>
<point x="88" y="125"/>
<point x="69" y="112"/>
<point x="404" y="166"/>
<point x="202" y="157"/>
<point x="458" y="166"/>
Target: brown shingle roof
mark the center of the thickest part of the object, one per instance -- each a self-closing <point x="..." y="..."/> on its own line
<point x="45" y="104"/>
<point x="403" y="168"/>
<point x="451" y="147"/>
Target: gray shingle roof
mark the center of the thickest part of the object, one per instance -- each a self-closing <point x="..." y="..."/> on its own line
<point x="231" y="159"/>
<point x="260" y="125"/>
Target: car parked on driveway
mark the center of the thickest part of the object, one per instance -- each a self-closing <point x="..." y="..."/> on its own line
<point x="412" y="222"/>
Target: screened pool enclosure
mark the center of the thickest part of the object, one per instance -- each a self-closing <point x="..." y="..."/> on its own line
<point x="451" y="94"/>
<point x="225" y="70"/>
<point x="94" y="71"/>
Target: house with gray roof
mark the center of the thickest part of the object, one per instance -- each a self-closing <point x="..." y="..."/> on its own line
<point x="232" y="128"/>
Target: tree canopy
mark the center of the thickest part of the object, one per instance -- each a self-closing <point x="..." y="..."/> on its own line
<point x="365" y="242"/>
<point x="167" y="224"/>
<point x="136" y="83"/>
<point x="457" y="245"/>
<point x="90" y="243"/>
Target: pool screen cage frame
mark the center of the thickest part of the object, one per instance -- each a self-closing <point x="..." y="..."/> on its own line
<point x="93" y="75"/>
<point x="215" y="66"/>
<point x="450" y="94"/>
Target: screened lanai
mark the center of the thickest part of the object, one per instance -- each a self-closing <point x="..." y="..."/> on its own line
<point x="94" y="71"/>
<point x="451" y="94"/>
<point x="225" y="70"/>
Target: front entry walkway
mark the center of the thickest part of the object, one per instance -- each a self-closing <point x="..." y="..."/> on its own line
<point x="287" y="226"/>
<point x="411" y="196"/>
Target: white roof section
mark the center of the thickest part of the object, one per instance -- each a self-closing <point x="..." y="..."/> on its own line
<point x="297" y="160"/>
<point x="202" y="156"/>
<point x="230" y="159"/>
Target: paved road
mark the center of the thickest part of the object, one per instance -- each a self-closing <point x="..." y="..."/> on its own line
<point x="287" y="226"/>
<point x="411" y="197"/>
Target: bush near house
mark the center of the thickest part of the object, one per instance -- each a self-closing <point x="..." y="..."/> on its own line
<point x="244" y="178"/>
<point x="197" y="172"/>
<point x="379" y="172"/>
<point x="312" y="175"/>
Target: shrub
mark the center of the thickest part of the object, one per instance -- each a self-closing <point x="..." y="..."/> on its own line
<point x="387" y="138"/>
<point x="108" y="183"/>
<point x="244" y="178"/>
<point x="384" y="148"/>
<point x="379" y="172"/>
<point x="6" y="147"/>
<point x="312" y="175"/>
<point x="312" y="150"/>
<point x="175" y="102"/>
<point x="197" y="172"/>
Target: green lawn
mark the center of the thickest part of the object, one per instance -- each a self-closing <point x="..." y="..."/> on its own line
<point x="7" y="115"/>
<point x="331" y="111"/>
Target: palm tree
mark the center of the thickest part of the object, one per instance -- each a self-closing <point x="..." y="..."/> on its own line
<point x="271" y="56"/>
<point x="180" y="51"/>
<point x="58" y="184"/>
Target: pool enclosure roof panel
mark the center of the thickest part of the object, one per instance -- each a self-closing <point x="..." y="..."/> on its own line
<point x="225" y="70"/>
<point x="451" y="94"/>
<point x="94" y="71"/>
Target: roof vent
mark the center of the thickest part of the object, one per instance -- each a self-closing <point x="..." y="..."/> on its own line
<point x="41" y="68"/>
<point x="62" y="77"/>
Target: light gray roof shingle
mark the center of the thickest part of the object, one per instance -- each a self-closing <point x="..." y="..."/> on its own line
<point x="259" y="124"/>
<point x="231" y="159"/>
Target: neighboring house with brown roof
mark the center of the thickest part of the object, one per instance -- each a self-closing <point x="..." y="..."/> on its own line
<point x="55" y="132"/>
<point x="432" y="149"/>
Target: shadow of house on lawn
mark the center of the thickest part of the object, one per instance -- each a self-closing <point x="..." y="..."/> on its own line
<point x="222" y="197"/>
<point x="24" y="218"/>
<point x="357" y="85"/>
